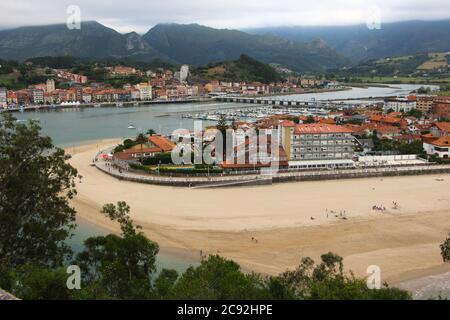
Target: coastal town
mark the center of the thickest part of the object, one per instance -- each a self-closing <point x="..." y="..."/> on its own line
<point x="239" y="152"/>
<point x="64" y="88"/>
<point x="311" y="135"/>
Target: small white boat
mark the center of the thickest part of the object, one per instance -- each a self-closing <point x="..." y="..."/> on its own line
<point x="131" y="127"/>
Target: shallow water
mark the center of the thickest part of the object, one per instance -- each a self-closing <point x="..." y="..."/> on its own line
<point x="165" y="260"/>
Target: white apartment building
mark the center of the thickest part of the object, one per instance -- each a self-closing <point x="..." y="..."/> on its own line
<point x="400" y="104"/>
<point x="317" y="143"/>
<point x="38" y="96"/>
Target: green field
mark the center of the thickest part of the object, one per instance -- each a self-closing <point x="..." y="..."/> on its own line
<point x="6" y="80"/>
<point x="405" y="80"/>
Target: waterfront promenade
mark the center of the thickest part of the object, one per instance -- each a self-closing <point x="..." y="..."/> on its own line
<point x="233" y="180"/>
<point x="103" y="105"/>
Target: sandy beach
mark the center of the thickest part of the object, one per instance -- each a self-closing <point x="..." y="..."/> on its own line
<point x="290" y="220"/>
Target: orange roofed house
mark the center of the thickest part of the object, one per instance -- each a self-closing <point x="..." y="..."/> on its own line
<point x="156" y="144"/>
<point x="439" y="147"/>
<point x="437" y="142"/>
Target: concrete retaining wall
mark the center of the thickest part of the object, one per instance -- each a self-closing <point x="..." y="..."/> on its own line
<point x="227" y="181"/>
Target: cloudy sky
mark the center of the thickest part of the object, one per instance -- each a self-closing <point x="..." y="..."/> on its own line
<point x="140" y="15"/>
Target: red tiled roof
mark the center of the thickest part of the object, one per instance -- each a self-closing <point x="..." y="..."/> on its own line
<point x="288" y="123"/>
<point x="443" y="126"/>
<point x="441" y="142"/>
<point x="327" y="121"/>
<point x="161" y="142"/>
<point x="320" y="128"/>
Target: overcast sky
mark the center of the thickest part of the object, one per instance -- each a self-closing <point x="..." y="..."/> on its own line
<point x="140" y="15"/>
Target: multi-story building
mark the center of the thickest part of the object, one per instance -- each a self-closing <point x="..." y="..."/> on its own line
<point x="442" y="109"/>
<point x="145" y="91"/>
<point x="400" y="104"/>
<point x="38" y="96"/>
<point x="425" y="104"/>
<point x="308" y="142"/>
<point x="3" y="97"/>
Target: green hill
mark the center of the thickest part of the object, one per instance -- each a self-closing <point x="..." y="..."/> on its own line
<point x="359" y="43"/>
<point x="192" y="44"/>
<point x="410" y="65"/>
<point x="243" y="69"/>
<point x="197" y="45"/>
<point x="93" y="40"/>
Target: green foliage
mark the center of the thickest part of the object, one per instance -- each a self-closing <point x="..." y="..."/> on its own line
<point x="218" y="279"/>
<point x="198" y="45"/>
<point x="244" y="69"/>
<point x="310" y="120"/>
<point x="127" y="144"/>
<point x="151" y="132"/>
<point x="445" y="250"/>
<point x="141" y="139"/>
<point x="414" y="113"/>
<point x="122" y="266"/>
<point x="394" y="66"/>
<point x="36" y="183"/>
<point x="40" y="283"/>
<point x="423" y="90"/>
<point x="435" y="158"/>
<point x="327" y="281"/>
<point x="61" y="62"/>
<point x="159" y="158"/>
<point x="165" y="283"/>
<point x="415" y="147"/>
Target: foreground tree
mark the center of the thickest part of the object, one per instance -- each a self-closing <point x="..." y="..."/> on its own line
<point x="445" y="250"/>
<point x="218" y="279"/>
<point x="118" y="267"/>
<point x="36" y="183"/>
<point x="327" y="281"/>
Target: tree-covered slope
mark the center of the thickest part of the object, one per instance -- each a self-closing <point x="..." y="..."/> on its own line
<point x="243" y="69"/>
<point x="199" y="45"/>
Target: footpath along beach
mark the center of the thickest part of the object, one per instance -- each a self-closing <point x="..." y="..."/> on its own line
<point x="270" y="228"/>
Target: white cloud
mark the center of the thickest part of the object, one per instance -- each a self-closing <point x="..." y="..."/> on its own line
<point x="140" y="15"/>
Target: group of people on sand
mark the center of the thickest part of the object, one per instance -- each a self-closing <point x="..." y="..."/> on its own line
<point x="382" y="208"/>
<point x="340" y="215"/>
<point x="379" y="208"/>
<point x="255" y="240"/>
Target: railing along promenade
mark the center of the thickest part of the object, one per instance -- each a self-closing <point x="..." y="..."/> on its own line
<point x="224" y="180"/>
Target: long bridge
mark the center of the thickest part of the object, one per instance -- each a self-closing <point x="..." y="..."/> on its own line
<point x="274" y="102"/>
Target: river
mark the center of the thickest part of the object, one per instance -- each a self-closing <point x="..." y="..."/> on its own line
<point x="71" y="127"/>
